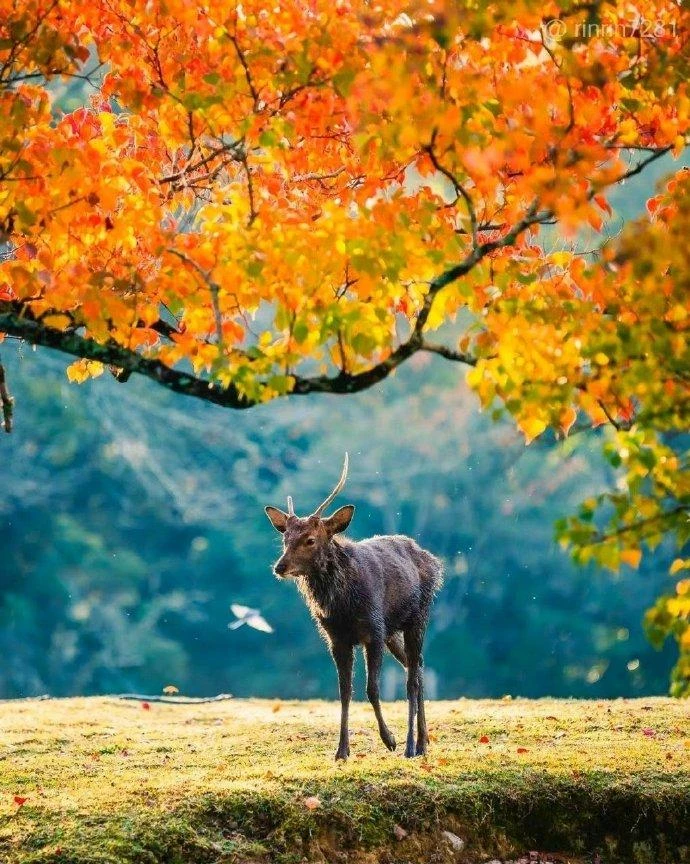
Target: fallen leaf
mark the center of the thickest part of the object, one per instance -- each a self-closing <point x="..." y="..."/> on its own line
<point x="146" y="706"/>
<point x="311" y="802"/>
<point x="522" y="750"/>
<point x="484" y="739"/>
<point x="19" y="801"/>
<point x="276" y="708"/>
<point x="649" y="733"/>
<point x="399" y="832"/>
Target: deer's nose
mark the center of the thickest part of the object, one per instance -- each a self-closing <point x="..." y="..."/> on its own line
<point x="280" y="568"/>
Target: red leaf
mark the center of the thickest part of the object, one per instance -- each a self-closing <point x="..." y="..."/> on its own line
<point x="522" y="750"/>
<point x="484" y="739"/>
<point x="649" y="733"/>
<point x="146" y="706"/>
<point x="19" y="801"/>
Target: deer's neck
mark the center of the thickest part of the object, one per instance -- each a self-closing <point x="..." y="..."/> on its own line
<point x="326" y="587"/>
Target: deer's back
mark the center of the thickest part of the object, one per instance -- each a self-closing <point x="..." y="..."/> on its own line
<point x="400" y="576"/>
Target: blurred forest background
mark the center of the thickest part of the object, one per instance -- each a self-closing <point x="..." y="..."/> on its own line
<point x="130" y="519"/>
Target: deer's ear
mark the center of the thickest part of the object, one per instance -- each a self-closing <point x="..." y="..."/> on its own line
<point x="339" y="520"/>
<point x="277" y="517"/>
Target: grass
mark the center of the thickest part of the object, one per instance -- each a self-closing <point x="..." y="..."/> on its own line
<point x="254" y="780"/>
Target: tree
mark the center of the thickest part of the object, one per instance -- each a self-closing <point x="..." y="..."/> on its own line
<point x="258" y="203"/>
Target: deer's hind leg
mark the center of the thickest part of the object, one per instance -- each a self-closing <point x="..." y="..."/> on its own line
<point x="396" y="645"/>
<point x="374" y="654"/>
<point x="414" y="637"/>
<point x="422" y="733"/>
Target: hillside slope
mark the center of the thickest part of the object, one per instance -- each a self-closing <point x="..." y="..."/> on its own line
<point x="252" y="780"/>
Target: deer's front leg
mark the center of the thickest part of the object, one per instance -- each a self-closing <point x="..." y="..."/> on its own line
<point x="344" y="655"/>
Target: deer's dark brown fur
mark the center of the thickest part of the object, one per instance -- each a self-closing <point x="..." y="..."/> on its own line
<point x="375" y="593"/>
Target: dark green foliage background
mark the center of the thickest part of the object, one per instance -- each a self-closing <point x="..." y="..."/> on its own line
<point x="130" y="519"/>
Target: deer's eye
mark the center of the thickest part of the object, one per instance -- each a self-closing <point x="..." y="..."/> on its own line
<point x="310" y="541"/>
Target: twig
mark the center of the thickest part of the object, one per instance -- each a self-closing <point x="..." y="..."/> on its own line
<point x="174" y="700"/>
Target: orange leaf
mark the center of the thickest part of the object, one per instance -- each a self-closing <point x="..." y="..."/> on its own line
<point x="567" y="418"/>
<point x="312" y="802"/>
<point x="632" y="557"/>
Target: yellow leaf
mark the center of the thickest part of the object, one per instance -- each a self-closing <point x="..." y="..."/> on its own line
<point x="532" y="427"/>
<point x="562" y="259"/>
<point x="57" y="322"/>
<point x="82" y="370"/>
<point x="631" y="557"/>
<point x="679" y="564"/>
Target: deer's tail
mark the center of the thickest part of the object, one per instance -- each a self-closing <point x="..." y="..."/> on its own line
<point x="431" y="572"/>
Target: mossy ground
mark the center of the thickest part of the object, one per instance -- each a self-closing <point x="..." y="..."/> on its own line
<point x="108" y="781"/>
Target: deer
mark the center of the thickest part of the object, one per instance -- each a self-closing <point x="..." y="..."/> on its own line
<point x="375" y="592"/>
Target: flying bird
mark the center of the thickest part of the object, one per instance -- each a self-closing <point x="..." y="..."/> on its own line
<point x="250" y="617"/>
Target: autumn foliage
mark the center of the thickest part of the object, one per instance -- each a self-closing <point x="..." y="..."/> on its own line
<point x="255" y="202"/>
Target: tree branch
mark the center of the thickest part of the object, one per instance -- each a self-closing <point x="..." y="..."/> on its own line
<point x="17" y="320"/>
<point x="112" y="354"/>
<point x="7" y="401"/>
<point x="605" y="537"/>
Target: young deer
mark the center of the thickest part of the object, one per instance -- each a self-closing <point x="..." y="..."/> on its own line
<point x="375" y="592"/>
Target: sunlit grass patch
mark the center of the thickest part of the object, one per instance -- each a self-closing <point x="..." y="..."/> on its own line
<point x="108" y="781"/>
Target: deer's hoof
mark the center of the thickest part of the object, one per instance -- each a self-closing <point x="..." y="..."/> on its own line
<point x="420" y="749"/>
<point x="389" y="741"/>
<point x="342" y="753"/>
<point x="410" y="752"/>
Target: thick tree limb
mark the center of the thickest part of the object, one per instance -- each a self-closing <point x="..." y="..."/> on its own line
<point x="112" y="354"/>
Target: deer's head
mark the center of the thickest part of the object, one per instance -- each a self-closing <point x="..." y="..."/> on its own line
<point x="306" y="538"/>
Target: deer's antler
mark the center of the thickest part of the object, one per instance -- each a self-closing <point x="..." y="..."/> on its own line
<point x="343" y="477"/>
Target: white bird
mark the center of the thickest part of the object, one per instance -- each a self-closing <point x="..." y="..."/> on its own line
<point x="250" y="617"/>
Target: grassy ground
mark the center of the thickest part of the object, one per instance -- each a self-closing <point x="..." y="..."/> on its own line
<point x="250" y="780"/>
